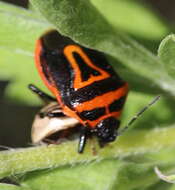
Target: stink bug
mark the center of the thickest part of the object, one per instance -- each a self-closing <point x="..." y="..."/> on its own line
<point x="85" y="85"/>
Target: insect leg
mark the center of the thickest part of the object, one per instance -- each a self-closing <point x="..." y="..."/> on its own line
<point x="55" y="114"/>
<point x="44" y="97"/>
<point x="82" y="139"/>
<point x="54" y="111"/>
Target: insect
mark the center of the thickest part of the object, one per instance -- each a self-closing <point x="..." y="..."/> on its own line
<point x="85" y="86"/>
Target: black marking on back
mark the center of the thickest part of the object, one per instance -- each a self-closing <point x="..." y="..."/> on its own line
<point x="117" y="105"/>
<point x="92" y="114"/>
<point x="99" y="60"/>
<point x="86" y="71"/>
<point x="95" y="89"/>
<point x="57" y="69"/>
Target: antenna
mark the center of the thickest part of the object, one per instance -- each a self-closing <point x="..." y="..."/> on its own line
<point x="139" y="114"/>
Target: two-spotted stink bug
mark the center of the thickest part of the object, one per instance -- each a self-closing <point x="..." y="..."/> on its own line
<point x="85" y="85"/>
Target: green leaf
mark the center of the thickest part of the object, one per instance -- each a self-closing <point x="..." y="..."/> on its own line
<point x="167" y="55"/>
<point x="79" y="177"/>
<point x="127" y="172"/>
<point x="4" y="186"/>
<point x="135" y="142"/>
<point x="121" y="14"/>
<point x="89" y="28"/>
<point x="16" y="50"/>
<point x="172" y="187"/>
<point x="106" y="174"/>
<point x="167" y="178"/>
<point x="21" y="38"/>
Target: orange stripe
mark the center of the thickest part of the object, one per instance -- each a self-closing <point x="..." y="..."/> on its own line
<point x="93" y="124"/>
<point x="103" y="100"/>
<point x="38" y="63"/>
<point x="68" y="51"/>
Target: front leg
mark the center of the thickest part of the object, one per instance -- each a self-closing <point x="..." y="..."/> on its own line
<point x="42" y="95"/>
<point x="83" y="138"/>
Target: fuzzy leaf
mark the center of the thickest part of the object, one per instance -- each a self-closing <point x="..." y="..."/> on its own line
<point x="135" y="142"/>
<point x="4" y="186"/>
<point x="121" y="14"/>
<point x="167" y="178"/>
<point x="91" y="29"/>
<point x="107" y="174"/>
<point x="16" y="50"/>
<point x="167" y="55"/>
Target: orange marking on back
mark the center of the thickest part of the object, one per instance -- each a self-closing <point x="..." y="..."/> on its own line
<point x="103" y="100"/>
<point x="68" y="52"/>
<point x="38" y="63"/>
<point x="93" y="124"/>
<point x="71" y="113"/>
<point x="100" y="101"/>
